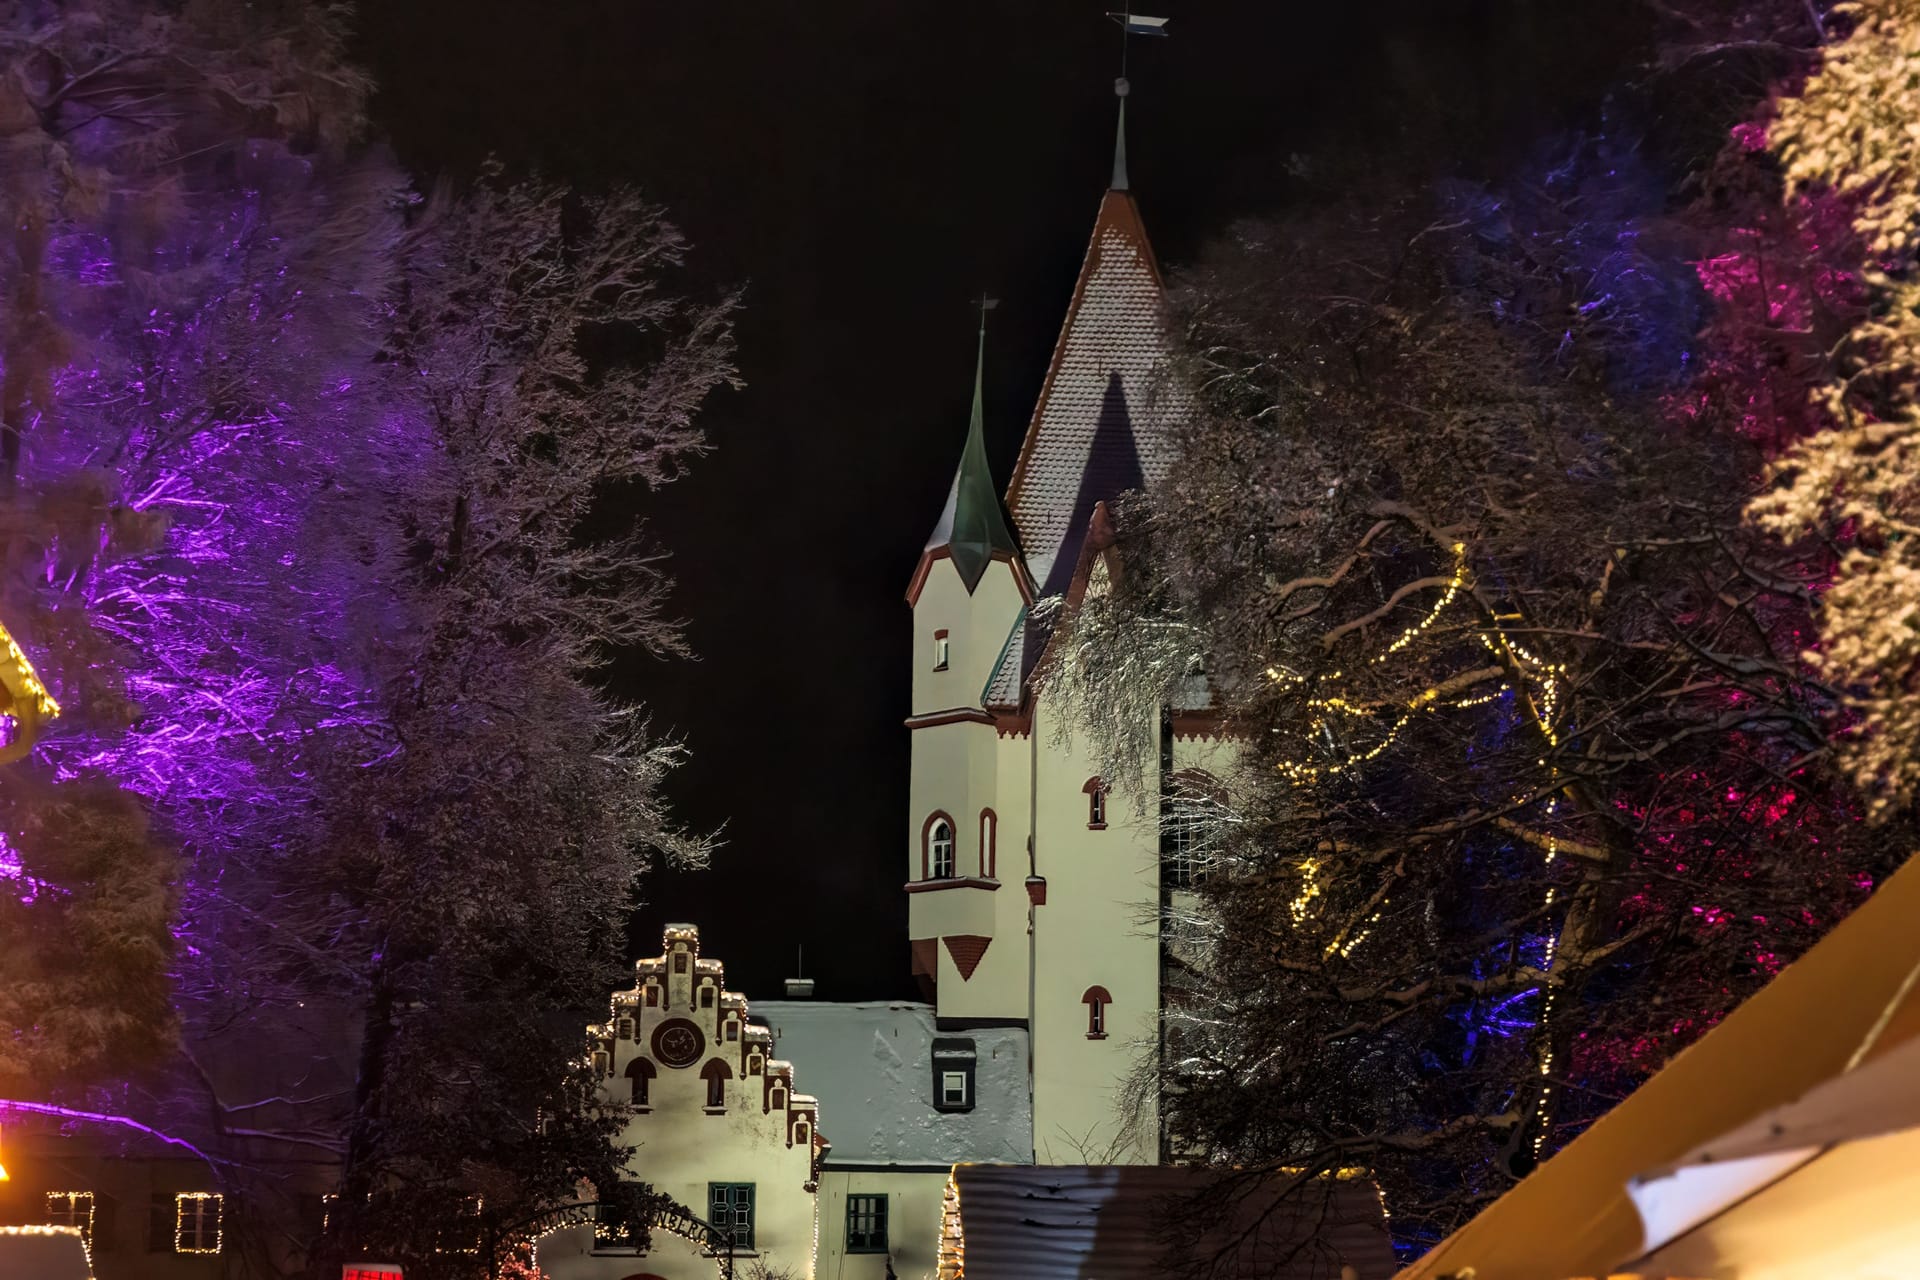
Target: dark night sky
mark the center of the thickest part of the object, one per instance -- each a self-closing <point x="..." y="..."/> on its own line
<point x="865" y="167"/>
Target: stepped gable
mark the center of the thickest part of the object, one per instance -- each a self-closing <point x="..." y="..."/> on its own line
<point x="1103" y="421"/>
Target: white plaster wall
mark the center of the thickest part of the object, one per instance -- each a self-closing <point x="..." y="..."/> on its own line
<point x="954" y="771"/>
<point x="913" y="1224"/>
<point x="977" y="627"/>
<point x="1098" y="928"/>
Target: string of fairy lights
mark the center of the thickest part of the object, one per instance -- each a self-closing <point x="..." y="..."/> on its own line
<point x="1543" y="692"/>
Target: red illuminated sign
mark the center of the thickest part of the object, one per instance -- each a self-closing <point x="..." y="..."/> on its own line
<point x="371" y="1271"/>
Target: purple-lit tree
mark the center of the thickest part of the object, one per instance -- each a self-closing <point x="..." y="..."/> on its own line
<point x="295" y="496"/>
<point x="191" y="287"/>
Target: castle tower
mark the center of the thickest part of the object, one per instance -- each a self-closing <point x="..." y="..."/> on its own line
<point x="968" y="590"/>
<point x="1088" y="924"/>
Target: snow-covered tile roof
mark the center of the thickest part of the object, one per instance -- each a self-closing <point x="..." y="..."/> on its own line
<point x="1002" y="692"/>
<point x="871" y="1065"/>
<point x="1102" y="423"/>
<point x="1064" y="1222"/>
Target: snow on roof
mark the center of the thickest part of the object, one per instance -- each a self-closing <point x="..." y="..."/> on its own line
<point x="871" y="1064"/>
<point x="1101" y="425"/>
<point x="45" y="1253"/>
<point x="1002" y="691"/>
<point x="1128" y="1222"/>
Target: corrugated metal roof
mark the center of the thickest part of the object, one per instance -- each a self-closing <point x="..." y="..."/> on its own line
<point x="871" y="1064"/>
<point x="1142" y="1222"/>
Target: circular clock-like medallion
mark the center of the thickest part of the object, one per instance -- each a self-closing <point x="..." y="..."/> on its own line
<point x="678" y="1043"/>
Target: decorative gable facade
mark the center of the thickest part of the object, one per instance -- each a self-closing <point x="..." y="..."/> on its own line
<point x="717" y="1124"/>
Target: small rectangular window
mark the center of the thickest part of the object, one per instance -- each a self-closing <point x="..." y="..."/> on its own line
<point x="942" y="651"/>
<point x="196" y="1221"/>
<point x="730" y="1212"/>
<point x="72" y="1209"/>
<point x="866" y="1224"/>
<point x="953" y="1088"/>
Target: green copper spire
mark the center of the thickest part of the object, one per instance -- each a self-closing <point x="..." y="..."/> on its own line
<point x="972" y="527"/>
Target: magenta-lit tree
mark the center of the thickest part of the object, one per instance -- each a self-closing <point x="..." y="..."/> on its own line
<point x="1536" y="783"/>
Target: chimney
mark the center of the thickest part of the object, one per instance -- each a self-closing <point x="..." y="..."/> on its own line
<point x="799" y="988"/>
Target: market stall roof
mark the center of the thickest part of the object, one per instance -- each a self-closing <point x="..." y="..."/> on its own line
<point x="1138" y="1222"/>
<point x="1850" y="1000"/>
<point x="1824" y="1186"/>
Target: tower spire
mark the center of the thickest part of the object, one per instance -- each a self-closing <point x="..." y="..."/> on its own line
<point x="1119" y="182"/>
<point x="972" y="528"/>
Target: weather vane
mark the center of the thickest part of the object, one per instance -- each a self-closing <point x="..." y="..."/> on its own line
<point x="1133" y="24"/>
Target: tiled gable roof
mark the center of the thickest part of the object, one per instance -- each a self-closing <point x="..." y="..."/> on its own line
<point x="1101" y="425"/>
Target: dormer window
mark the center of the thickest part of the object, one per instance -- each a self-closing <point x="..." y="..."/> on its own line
<point x="953" y="1069"/>
<point x="937" y="848"/>
<point x="942" y="650"/>
<point x="1096" y="804"/>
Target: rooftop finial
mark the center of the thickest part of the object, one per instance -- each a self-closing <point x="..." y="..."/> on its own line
<point x="1131" y="24"/>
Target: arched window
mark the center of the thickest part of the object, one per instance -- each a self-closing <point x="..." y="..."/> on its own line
<point x="1096" y="804"/>
<point x="706" y="995"/>
<point x="936" y="848"/>
<point x="989" y="833"/>
<point x="1096" y="999"/>
<point x="778" y="1101"/>
<point x="640" y="1072"/>
<point x="716" y="1073"/>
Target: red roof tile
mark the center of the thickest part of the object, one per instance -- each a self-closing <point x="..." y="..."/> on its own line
<point x="1101" y="425"/>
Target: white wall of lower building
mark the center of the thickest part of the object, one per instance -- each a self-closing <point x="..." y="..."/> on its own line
<point x="913" y="1223"/>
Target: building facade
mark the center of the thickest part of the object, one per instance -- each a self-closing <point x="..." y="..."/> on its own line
<point x="720" y="1125"/>
<point x="1036" y="887"/>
